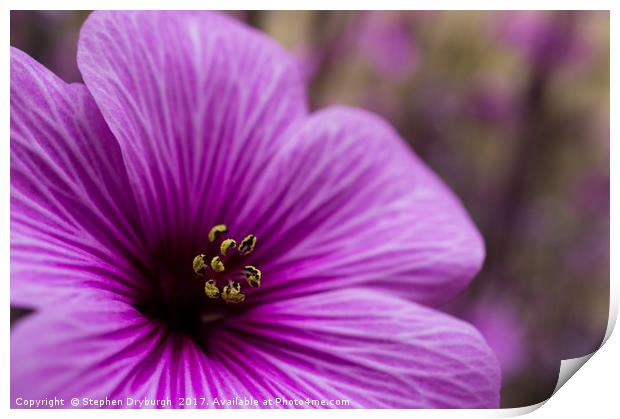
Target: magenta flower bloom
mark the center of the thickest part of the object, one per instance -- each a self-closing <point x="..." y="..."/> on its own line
<point x="183" y="227"/>
<point x="547" y="39"/>
<point x="384" y="39"/>
<point x="502" y="329"/>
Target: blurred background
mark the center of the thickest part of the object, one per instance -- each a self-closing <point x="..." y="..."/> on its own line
<point x="511" y="109"/>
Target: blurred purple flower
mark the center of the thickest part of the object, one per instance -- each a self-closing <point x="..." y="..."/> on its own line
<point x="188" y="120"/>
<point x="493" y="104"/>
<point x="503" y="331"/>
<point x="384" y="39"/>
<point x="547" y="39"/>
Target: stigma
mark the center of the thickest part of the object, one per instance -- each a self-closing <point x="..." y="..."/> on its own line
<point x="221" y="265"/>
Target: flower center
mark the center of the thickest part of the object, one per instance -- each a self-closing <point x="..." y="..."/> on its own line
<point x="221" y="268"/>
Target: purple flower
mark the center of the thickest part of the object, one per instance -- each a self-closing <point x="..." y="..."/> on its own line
<point x="503" y="330"/>
<point x="386" y="42"/>
<point x="192" y="129"/>
<point x="546" y="39"/>
<point x="494" y="103"/>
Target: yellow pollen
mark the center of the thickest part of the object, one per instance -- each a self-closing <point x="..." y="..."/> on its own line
<point x="231" y="273"/>
<point x="211" y="289"/>
<point x="217" y="265"/>
<point x="227" y="245"/>
<point x="232" y="293"/>
<point x="252" y="276"/>
<point x="247" y="244"/>
<point x="216" y="231"/>
<point x="199" y="264"/>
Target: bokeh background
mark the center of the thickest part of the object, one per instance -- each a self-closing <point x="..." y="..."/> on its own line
<point x="511" y="109"/>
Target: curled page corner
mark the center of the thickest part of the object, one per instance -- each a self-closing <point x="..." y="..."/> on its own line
<point x="518" y="411"/>
<point x="568" y="367"/>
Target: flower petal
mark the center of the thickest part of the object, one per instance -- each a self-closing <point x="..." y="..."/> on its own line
<point x="345" y="203"/>
<point x="87" y="348"/>
<point x="70" y="211"/>
<point x="198" y="103"/>
<point x="102" y="348"/>
<point x="375" y="351"/>
<point x="371" y="350"/>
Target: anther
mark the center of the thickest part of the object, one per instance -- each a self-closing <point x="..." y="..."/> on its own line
<point x="247" y="244"/>
<point x="223" y="266"/>
<point x="252" y="276"/>
<point x="227" y="245"/>
<point x="211" y="289"/>
<point x="232" y="293"/>
<point x="199" y="264"/>
<point x="217" y="265"/>
<point x="217" y="231"/>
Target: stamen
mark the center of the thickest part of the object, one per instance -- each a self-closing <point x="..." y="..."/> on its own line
<point x="252" y="276"/>
<point x="232" y="293"/>
<point x="231" y="272"/>
<point x="227" y="245"/>
<point x="217" y="265"/>
<point x="247" y="244"/>
<point x="217" y="231"/>
<point x="211" y="289"/>
<point x="199" y="264"/>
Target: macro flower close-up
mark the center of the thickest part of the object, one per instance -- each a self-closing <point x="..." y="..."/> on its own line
<point x="182" y="226"/>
